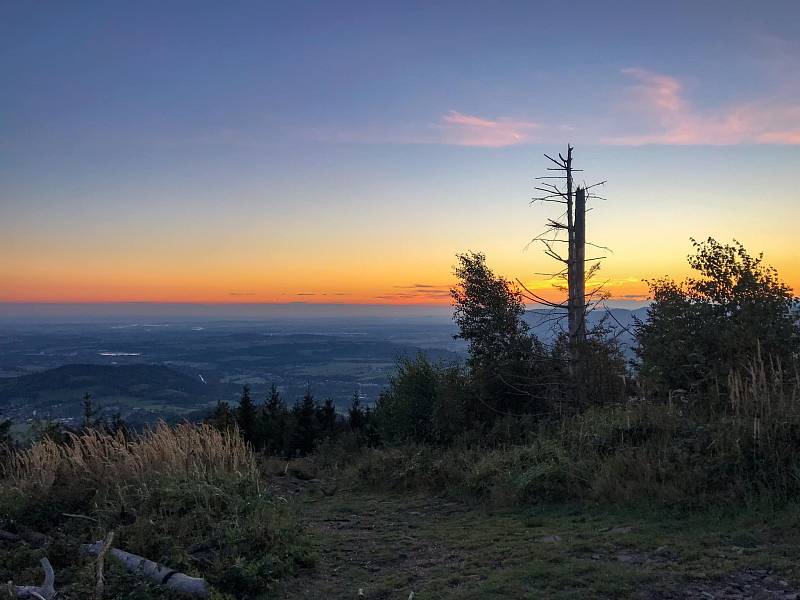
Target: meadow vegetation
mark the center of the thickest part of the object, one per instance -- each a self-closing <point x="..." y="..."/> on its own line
<point x="191" y="497"/>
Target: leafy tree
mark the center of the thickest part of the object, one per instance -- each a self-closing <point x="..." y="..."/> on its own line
<point x="506" y="361"/>
<point x="404" y="410"/>
<point x="699" y="330"/>
<point x="425" y="402"/>
<point x="487" y="309"/>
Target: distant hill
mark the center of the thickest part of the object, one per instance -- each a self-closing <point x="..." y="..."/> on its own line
<point x="135" y="390"/>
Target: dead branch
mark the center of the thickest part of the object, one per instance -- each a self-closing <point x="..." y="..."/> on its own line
<point x="101" y="557"/>
<point x="158" y="574"/>
<point x="83" y="517"/>
<point x="536" y="298"/>
<point x="46" y="591"/>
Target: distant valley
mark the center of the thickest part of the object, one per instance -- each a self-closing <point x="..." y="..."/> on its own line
<point x="149" y="369"/>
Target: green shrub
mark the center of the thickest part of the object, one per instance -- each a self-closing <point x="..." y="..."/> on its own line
<point x="190" y="497"/>
<point x="658" y="452"/>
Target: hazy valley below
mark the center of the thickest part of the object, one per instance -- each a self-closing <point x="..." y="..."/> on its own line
<point x="172" y="365"/>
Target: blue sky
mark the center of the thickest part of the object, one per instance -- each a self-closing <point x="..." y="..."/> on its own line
<point x="187" y="150"/>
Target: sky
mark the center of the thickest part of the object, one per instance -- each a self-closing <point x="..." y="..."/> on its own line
<point x="337" y="152"/>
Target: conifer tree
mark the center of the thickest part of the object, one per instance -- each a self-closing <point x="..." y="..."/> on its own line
<point x="246" y="416"/>
<point x="305" y="426"/>
<point x="222" y="418"/>
<point x="326" y="416"/>
<point x="274" y="421"/>
<point x="355" y="416"/>
<point x="89" y="411"/>
<point x="6" y="441"/>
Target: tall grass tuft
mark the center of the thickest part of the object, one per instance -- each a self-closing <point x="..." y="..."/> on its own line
<point x="762" y="426"/>
<point x="164" y="492"/>
<point x="103" y="460"/>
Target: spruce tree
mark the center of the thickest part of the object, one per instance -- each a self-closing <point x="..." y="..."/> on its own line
<point x="6" y="441"/>
<point x="246" y="416"/>
<point x="89" y="411"/>
<point x="305" y="424"/>
<point x="274" y="420"/>
<point x="222" y="418"/>
<point x="326" y="416"/>
<point x="355" y="415"/>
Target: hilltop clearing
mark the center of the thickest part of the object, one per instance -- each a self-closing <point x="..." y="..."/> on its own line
<point x="389" y="545"/>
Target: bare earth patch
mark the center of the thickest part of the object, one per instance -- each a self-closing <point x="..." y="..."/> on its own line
<point x="381" y="545"/>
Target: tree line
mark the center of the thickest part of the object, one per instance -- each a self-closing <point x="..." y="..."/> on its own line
<point x="276" y="428"/>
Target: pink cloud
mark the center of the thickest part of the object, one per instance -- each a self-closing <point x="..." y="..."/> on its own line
<point x="649" y="108"/>
<point x="671" y="119"/>
<point x="452" y="129"/>
<point x="460" y="129"/>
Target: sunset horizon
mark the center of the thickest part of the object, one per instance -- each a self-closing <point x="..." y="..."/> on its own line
<point x="275" y="155"/>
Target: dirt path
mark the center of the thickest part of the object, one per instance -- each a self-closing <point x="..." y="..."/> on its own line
<point x="388" y="546"/>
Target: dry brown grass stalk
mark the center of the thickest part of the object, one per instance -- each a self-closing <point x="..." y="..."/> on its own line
<point x="186" y="452"/>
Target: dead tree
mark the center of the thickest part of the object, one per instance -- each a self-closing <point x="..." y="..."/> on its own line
<point x="570" y="229"/>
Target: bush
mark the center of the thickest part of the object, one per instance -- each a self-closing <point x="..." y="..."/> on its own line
<point x="189" y="496"/>
<point x="639" y="451"/>
<point x="700" y="330"/>
<point x="425" y="402"/>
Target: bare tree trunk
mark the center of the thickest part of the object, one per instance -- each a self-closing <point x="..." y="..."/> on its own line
<point x="579" y="333"/>
<point x="577" y="336"/>
<point x="574" y="270"/>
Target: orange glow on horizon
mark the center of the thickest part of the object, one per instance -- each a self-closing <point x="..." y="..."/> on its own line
<point x="625" y="289"/>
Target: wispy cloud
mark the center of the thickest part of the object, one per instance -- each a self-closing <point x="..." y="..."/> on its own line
<point x="460" y="129"/>
<point x="452" y="128"/>
<point x="641" y="106"/>
<point x="670" y="118"/>
<point x="418" y="292"/>
<point x="321" y="294"/>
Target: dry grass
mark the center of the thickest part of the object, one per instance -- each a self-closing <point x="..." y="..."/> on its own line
<point x="764" y="402"/>
<point x="162" y="493"/>
<point x="184" y="452"/>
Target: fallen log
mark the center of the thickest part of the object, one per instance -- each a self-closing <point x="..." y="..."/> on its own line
<point x="158" y="574"/>
<point x="34" y="538"/>
<point x="46" y="591"/>
<point x="7" y="536"/>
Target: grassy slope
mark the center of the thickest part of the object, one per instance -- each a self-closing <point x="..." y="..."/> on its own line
<point x="390" y="545"/>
